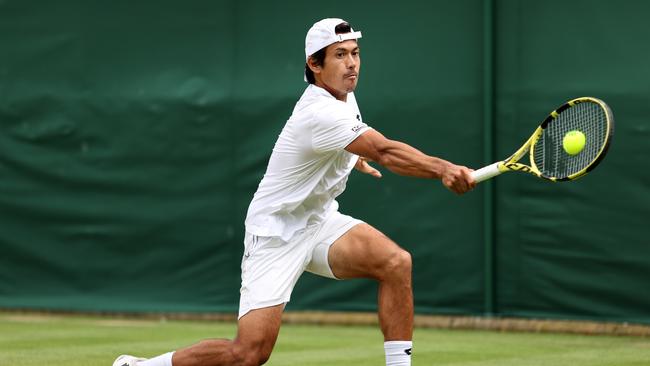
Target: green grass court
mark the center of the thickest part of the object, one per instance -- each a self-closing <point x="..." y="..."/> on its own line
<point x="31" y="340"/>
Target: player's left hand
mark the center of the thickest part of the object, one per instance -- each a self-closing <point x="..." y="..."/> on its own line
<point x="363" y="166"/>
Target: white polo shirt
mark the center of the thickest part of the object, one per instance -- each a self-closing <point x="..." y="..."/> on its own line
<point x="308" y="167"/>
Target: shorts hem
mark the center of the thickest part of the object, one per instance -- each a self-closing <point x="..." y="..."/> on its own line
<point x="261" y="305"/>
<point x="344" y="230"/>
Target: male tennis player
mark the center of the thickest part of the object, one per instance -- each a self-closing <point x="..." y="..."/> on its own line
<point x="293" y="223"/>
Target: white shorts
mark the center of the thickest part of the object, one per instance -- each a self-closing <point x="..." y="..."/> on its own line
<point x="271" y="267"/>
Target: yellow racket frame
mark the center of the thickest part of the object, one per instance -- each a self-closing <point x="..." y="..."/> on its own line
<point x="512" y="164"/>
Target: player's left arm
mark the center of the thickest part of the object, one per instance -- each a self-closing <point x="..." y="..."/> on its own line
<point x="363" y="166"/>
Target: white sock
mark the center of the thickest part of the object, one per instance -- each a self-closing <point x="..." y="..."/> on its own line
<point x="162" y="360"/>
<point x="398" y="353"/>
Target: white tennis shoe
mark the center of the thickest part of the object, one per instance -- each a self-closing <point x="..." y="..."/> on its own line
<point x="126" y="360"/>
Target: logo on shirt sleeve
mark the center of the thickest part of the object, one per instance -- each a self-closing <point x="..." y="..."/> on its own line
<point x="357" y="128"/>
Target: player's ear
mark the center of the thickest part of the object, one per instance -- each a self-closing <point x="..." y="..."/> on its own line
<point x="313" y="66"/>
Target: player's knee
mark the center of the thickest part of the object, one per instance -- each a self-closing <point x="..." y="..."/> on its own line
<point x="398" y="264"/>
<point x="250" y="356"/>
<point x="263" y="358"/>
<point x="260" y="357"/>
<point x="242" y="358"/>
<point x="254" y="360"/>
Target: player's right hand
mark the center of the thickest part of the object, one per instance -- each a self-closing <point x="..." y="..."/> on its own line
<point x="457" y="179"/>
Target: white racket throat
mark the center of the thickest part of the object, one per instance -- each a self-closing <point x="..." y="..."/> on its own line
<point x="486" y="172"/>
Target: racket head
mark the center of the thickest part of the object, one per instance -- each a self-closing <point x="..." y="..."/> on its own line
<point x="589" y="115"/>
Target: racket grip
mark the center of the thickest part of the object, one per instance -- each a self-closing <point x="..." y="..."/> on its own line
<point x="486" y="173"/>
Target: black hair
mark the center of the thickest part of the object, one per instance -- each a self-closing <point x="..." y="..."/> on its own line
<point x="319" y="56"/>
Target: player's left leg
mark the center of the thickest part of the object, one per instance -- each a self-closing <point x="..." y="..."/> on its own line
<point x="256" y="335"/>
<point x="364" y="252"/>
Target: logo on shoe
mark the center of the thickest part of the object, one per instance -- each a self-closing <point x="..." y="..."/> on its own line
<point x="408" y="351"/>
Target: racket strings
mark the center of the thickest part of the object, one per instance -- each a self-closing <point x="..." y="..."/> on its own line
<point x="549" y="155"/>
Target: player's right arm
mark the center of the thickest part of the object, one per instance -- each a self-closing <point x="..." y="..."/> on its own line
<point x="404" y="159"/>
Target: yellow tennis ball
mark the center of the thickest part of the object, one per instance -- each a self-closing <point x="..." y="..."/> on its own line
<point x="573" y="142"/>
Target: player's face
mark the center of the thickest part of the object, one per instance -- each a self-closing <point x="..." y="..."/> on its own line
<point x="340" y="71"/>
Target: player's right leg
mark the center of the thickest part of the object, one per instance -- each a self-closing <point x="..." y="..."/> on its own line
<point x="256" y="335"/>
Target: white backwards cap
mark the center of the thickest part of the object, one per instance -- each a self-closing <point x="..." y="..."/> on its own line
<point x="322" y="34"/>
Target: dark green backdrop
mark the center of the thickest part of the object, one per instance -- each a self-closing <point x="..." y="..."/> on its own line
<point x="133" y="135"/>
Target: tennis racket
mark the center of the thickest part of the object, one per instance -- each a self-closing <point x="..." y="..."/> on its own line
<point x="548" y="158"/>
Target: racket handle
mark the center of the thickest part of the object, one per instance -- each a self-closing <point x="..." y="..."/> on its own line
<point x="486" y="173"/>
